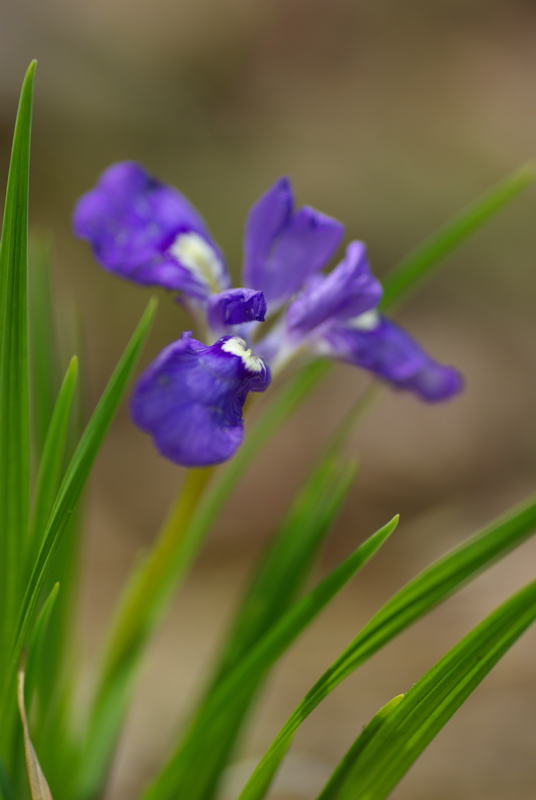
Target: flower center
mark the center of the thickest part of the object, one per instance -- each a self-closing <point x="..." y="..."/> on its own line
<point x="200" y="258"/>
<point x="237" y="347"/>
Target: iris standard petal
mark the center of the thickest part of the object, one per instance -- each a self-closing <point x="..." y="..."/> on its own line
<point x="190" y="398"/>
<point x="267" y="219"/>
<point x="149" y="233"/>
<point x="348" y="291"/>
<point x="379" y="345"/>
<point x="234" y="307"/>
<point x="282" y="248"/>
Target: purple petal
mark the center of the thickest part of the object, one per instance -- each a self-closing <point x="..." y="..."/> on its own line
<point x="349" y="290"/>
<point x="266" y="221"/>
<point x="190" y="399"/>
<point x="146" y="231"/>
<point x="389" y="352"/>
<point x="282" y="248"/>
<point x="234" y="307"/>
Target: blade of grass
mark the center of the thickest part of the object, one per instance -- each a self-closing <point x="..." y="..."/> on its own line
<point x="38" y="644"/>
<point x="286" y="564"/>
<point x="417" y="265"/>
<point x="411" y="725"/>
<point x="413" y="601"/>
<point x="197" y="755"/>
<point x="14" y="391"/>
<point x="344" y="769"/>
<point x="71" y="488"/>
<point x="51" y="463"/>
<point x="45" y="369"/>
<point x="52" y="673"/>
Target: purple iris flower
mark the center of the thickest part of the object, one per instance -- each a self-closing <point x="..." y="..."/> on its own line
<point x="190" y="398"/>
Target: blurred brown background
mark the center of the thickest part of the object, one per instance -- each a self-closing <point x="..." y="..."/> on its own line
<point x="390" y="116"/>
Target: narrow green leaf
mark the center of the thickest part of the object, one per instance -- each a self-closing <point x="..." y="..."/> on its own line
<point x="196" y="756"/>
<point x="48" y="476"/>
<point x="45" y="366"/>
<point x="72" y="485"/>
<point x="410" y="726"/>
<point x="416" y="266"/>
<point x="38" y="782"/>
<point x="37" y="647"/>
<point x="344" y="770"/>
<point x="413" y="601"/>
<point x="287" y="562"/>
<point x="14" y="392"/>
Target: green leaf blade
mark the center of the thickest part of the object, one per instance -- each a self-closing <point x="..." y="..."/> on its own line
<point x="14" y="370"/>
<point x="412" y="602"/>
<point x="215" y="723"/>
<point x="71" y="488"/>
<point x="45" y="369"/>
<point x="48" y="477"/>
<point x="411" y="725"/>
<point x="416" y="266"/>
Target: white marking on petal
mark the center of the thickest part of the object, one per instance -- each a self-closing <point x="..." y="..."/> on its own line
<point x="200" y="258"/>
<point x="237" y="347"/>
<point x="365" y="322"/>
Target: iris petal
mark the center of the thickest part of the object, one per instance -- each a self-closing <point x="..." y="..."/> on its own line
<point x="349" y="290"/>
<point x="133" y="223"/>
<point x="282" y="247"/>
<point x="234" y="307"/>
<point x="390" y="353"/>
<point x="190" y="399"/>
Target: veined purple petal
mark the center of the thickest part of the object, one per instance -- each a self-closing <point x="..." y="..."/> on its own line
<point x="234" y="307"/>
<point x="390" y="353"/>
<point x="149" y="233"/>
<point x="190" y="398"/>
<point x="349" y="290"/>
<point x="282" y="247"/>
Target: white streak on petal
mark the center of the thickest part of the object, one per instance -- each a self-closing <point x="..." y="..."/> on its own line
<point x="367" y="321"/>
<point x="200" y="258"/>
<point x="237" y="347"/>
